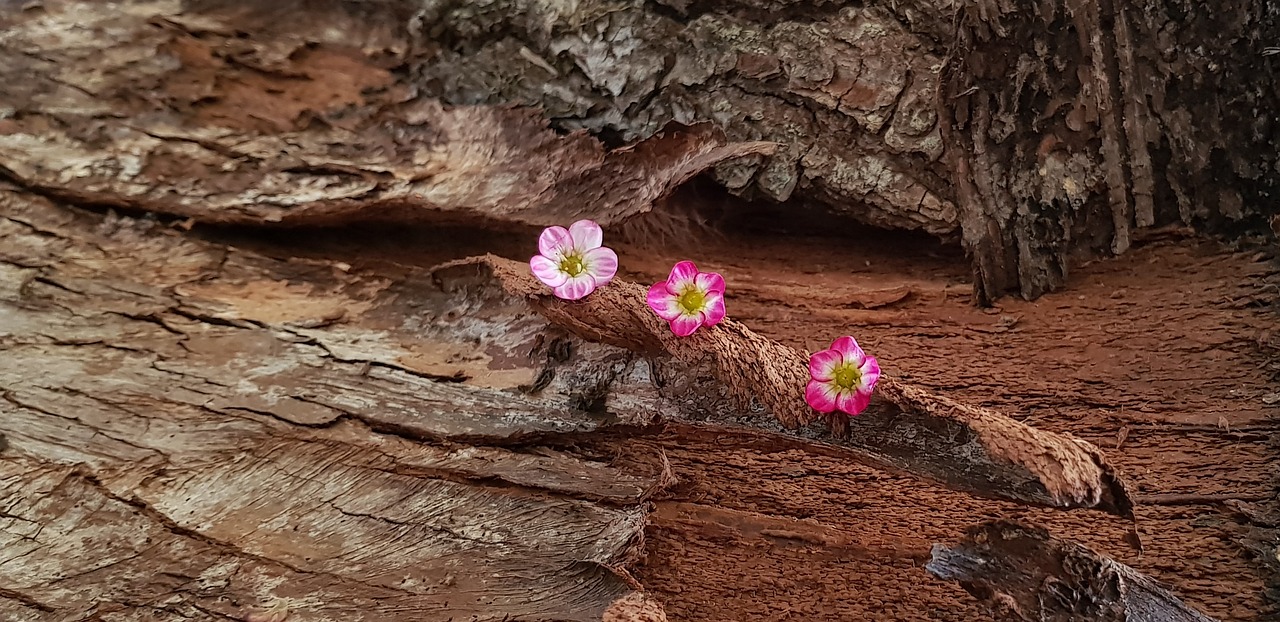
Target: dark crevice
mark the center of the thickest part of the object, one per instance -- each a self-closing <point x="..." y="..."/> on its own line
<point x="25" y="600"/>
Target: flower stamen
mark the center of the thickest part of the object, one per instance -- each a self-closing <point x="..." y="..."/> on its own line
<point x="846" y="377"/>
<point x="572" y="265"/>
<point x="691" y="300"/>
<point x="841" y="378"/>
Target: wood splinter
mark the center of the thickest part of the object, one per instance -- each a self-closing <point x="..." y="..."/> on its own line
<point x="907" y="428"/>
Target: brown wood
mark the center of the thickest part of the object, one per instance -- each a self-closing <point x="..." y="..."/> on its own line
<point x="734" y="377"/>
<point x="1025" y="574"/>
<point x="1028" y="131"/>
<point x="296" y="417"/>
<point x="192" y="430"/>
<point x="180" y="443"/>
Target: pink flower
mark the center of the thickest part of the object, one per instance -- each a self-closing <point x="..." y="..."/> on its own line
<point x="843" y="378"/>
<point x="688" y="299"/>
<point x="573" y="262"/>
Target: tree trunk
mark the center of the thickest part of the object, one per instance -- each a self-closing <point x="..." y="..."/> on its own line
<point x="1032" y="132"/>
<point x="230" y="435"/>
<point x="192" y="430"/>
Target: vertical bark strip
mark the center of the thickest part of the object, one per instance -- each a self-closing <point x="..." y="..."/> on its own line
<point x="1105" y="118"/>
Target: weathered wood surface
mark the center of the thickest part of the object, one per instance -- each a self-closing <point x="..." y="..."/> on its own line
<point x="181" y="152"/>
<point x="198" y="432"/>
<point x="155" y="109"/>
<point x="1031" y="130"/>
<point x="403" y="435"/>
<point x="735" y="377"/>
<point x="1025" y="574"/>
<point x="901" y="115"/>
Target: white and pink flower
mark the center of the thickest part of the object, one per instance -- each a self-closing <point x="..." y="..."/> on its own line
<point x="843" y="378"/>
<point x="688" y="299"/>
<point x="573" y="262"/>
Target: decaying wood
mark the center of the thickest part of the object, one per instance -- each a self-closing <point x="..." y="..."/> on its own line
<point x="290" y="421"/>
<point x="739" y="378"/>
<point x="1071" y="125"/>
<point x="477" y="163"/>
<point x="1029" y="131"/>
<point x="180" y="445"/>
<point x="1025" y="574"/>
<point x="1032" y="130"/>
<point x="235" y="132"/>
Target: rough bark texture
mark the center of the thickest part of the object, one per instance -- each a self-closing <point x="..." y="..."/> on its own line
<point x="1034" y="130"/>
<point x="1071" y="125"/>
<point x="733" y="376"/>
<point x="169" y="112"/>
<point x="188" y="430"/>
<point x="1026" y="575"/>
<point x="198" y="432"/>
<point x="220" y="175"/>
<point x="1029" y="130"/>
<point x="160" y="393"/>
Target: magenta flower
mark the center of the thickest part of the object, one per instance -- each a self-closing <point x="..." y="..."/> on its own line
<point x="688" y="299"/>
<point x="843" y="378"/>
<point x="573" y="262"/>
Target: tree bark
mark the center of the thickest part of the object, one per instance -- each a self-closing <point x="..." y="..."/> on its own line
<point x="194" y="431"/>
<point x="175" y="388"/>
<point x="1032" y="132"/>
<point x="736" y="378"/>
<point x="228" y="435"/>
<point x="1026" y="575"/>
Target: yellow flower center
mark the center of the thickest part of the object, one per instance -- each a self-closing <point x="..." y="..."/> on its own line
<point x="572" y="265"/>
<point x="847" y="377"/>
<point x="691" y="300"/>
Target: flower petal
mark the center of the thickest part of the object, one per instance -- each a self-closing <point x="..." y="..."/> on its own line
<point x="547" y="271"/>
<point x="684" y="325"/>
<point x="681" y="277"/>
<point x="870" y="374"/>
<point x="554" y="241"/>
<point x="714" y="308"/>
<point x="820" y="396"/>
<point x="710" y="282"/>
<point x="586" y="235"/>
<point x="848" y="348"/>
<point x="822" y="365"/>
<point x="601" y="263"/>
<point x="854" y="402"/>
<point x="576" y="288"/>
<point x="663" y="302"/>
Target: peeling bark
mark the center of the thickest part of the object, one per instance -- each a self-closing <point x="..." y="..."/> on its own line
<point x="315" y="175"/>
<point x="1025" y="574"/>
<point x="416" y="367"/>
<point x="1030" y="132"/>
<point x="734" y="377"/>
<point x="1034" y="130"/>
<point x="186" y="441"/>
<point x="186" y="384"/>
<point x="1071" y="125"/>
<point x="237" y="133"/>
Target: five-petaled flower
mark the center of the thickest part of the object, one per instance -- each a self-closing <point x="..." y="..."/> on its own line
<point x="843" y="378"/>
<point x="573" y="262"/>
<point x="688" y="299"/>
